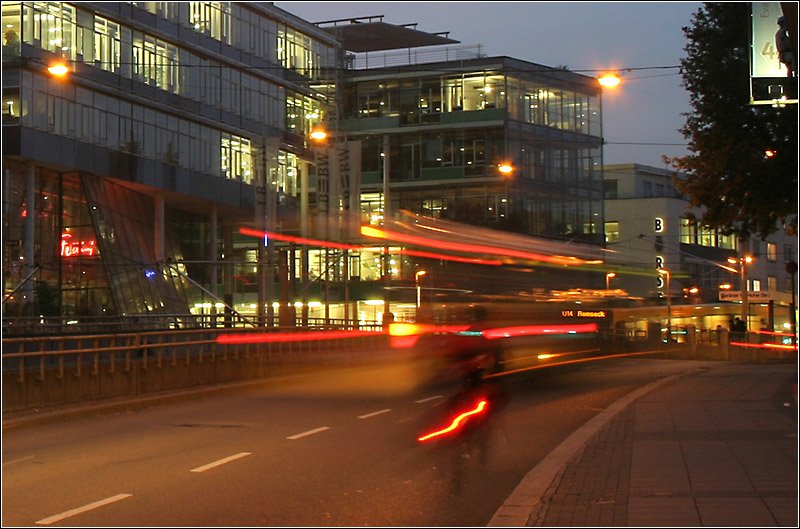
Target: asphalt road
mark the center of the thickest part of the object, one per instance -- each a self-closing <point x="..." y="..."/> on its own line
<point x="318" y="453"/>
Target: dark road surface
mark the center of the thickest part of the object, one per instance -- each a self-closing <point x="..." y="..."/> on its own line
<point x="298" y="454"/>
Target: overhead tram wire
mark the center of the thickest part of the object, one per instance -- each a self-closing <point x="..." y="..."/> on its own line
<point x="277" y="67"/>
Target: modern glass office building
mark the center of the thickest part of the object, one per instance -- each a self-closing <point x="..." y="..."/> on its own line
<point x="126" y="182"/>
<point x="491" y="141"/>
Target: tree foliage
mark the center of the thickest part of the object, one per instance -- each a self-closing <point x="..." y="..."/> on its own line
<point x="727" y="173"/>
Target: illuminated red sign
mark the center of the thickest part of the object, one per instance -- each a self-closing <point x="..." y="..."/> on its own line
<point x="71" y="248"/>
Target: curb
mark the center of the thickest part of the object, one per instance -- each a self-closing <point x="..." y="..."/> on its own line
<point x="525" y="502"/>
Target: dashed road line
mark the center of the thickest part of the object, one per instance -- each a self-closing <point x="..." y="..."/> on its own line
<point x="18" y="460"/>
<point x="374" y="413"/>
<point x="74" y="512"/>
<point x="222" y="461"/>
<point x="422" y="401"/>
<point x="309" y="432"/>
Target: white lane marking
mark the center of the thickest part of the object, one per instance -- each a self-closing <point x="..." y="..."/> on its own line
<point x="221" y="462"/>
<point x="310" y="432"/>
<point x="374" y="413"/>
<point x="79" y="510"/>
<point x="428" y="399"/>
<point x="18" y="460"/>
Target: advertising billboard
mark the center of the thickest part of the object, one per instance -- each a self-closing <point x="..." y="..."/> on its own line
<point x="770" y="80"/>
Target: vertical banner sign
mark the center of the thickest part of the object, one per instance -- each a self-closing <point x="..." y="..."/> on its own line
<point x="354" y="153"/>
<point x="323" y="179"/>
<point x="334" y="193"/>
<point x="769" y="80"/>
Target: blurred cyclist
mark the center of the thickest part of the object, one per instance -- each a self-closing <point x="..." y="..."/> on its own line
<point x="464" y="428"/>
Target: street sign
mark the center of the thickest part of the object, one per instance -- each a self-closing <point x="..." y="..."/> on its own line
<point x="736" y="295"/>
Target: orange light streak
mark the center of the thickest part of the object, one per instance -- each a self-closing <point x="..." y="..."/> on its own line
<point x="481" y="407"/>
<point x="457" y="259"/>
<point x="370" y="231"/>
<point x="299" y="240"/>
<point x="343" y="246"/>
<point x="412" y="329"/>
<point x="766" y="346"/>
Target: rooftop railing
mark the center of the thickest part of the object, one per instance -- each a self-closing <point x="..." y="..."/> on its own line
<point x="413" y="56"/>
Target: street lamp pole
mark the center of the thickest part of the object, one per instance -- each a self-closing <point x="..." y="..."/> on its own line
<point x="745" y="302"/>
<point x="387" y="215"/>
<point x="609" y="276"/>
<point x="419" y="274"/>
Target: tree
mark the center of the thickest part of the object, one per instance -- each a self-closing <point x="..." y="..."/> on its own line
<point x="742" y="166"/>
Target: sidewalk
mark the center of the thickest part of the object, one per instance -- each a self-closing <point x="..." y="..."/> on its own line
<point x="716" y="446"/>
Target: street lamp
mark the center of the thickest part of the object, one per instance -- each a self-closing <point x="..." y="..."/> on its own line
<point x="318" y="135"/>
<point x="664" y="271"/>
<point x="743" y="261"/>
<point x="609" y="276"/>
<point x="609" y="80"/>
<point x="58" y="69"/>
<point x="505" y="168"/>
<point x="419" y="274"/>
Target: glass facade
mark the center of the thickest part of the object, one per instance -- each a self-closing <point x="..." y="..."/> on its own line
<point x="448" y="133"/>
<point x="94" y="250"/>
<point x="216" y="106"/>
<point x="692" y="233"/>
<point x="91" y="39"/>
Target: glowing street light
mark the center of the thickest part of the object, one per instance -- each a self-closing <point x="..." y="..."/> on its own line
<point x="58" y="69"/>
<point x="609" y="276"/>
<point x="319" y="135"/>
<point x="505" y="168"/>
<point x="609" y="80"/>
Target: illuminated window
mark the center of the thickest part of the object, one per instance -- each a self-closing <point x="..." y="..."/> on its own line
<point x="706" y="236"/>
<point x="53" y="27"/>
<point x="107" y="44"/>
<point x="286" y="179"/>
<point x="155" y="62"/>
<point x="612" y="231"/>
<point x="726" y="241"/>
<point x="236" y="158"/>
<point x="11" y="27"/>
<point x="212" y="19"/>
<point x="297" y="52"/>
<point x="772" y="252"/>
<point x="11" y="108"/>
<point x="688" y="231"/>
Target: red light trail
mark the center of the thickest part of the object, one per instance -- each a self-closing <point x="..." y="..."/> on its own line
<point x="456" y="423"/>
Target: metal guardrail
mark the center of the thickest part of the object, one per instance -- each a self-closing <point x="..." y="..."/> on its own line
<point x="76" y="325"/>
<point x="45" y="371"/>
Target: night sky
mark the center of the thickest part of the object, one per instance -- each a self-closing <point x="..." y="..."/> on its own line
<point x="584" y="36"/>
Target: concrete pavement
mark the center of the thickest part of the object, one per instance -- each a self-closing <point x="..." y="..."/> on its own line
<point x="715" y="446"/>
